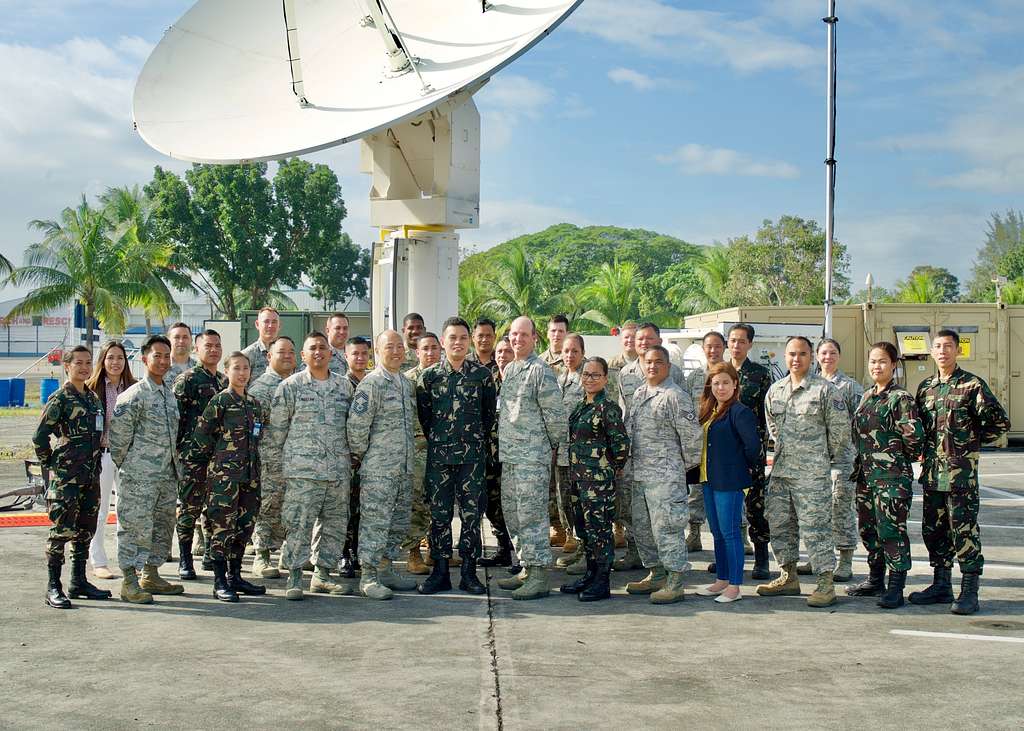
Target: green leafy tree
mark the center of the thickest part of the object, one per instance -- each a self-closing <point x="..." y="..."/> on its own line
<point x="519" y="285"/>
<point x="920" y="288"/>
<point x="341" y="275"/>
<point x="237" y="229"/>
<point x="78" y="261"/>
<point x="878" y="294"/>
<point x="475" y="301"/>
<point x="1013" y="292"/>
<point x="1002" y="253"/>
<point x="943" y="278"/>
<point x="785" y="265"/>
<point x="612" y="296"/>
<point x="706" y="290"/>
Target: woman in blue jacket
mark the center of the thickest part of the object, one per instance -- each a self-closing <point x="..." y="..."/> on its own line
<point x="732" y="448"/>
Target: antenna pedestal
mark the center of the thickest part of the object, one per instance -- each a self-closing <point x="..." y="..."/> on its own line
<point x="426" y="184"/>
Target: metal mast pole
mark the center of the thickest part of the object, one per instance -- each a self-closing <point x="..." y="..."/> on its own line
<point x="830" y="163"/>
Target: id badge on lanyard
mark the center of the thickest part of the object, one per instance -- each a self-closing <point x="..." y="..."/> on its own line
<point x="99" y="421"/>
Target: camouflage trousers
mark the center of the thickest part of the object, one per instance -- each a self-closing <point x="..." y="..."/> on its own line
<point x="524" y="503"/>
<point x="193" y="493"/>
<point x="315" y="514"/>
<point x="754" y="502"/>
<point x="73" y="510"/>
<point x="385" y="504"/>
<point x="351" y="547"/>
<point x="234" y="506"/>
<point x="145" y="520"/>
<point x="492" y="506"/>
<point x="593" y="510"/>
<point x="624" y="501"/>
<point x="802" y="508"/>
<point x="844" y="519"/>
<point x="660" y="514"/>
<point x="268" y="533"/>
<point x="950" y="529"/>
<point x="882" y="510"/>
<point x="558" y="499"/>
<point x="447" y="484"/>
<point x="419" y="520"/>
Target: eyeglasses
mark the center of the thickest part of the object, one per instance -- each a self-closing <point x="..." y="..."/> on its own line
<point x="591" y="375"/>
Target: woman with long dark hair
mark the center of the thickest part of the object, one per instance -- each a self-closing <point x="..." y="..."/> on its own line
<point x="110" y="377"/>
<point x="732" y="448"/>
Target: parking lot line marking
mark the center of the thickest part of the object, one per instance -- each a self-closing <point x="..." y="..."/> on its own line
<point x="984" y="525"/>
<point x="954" y="636"/>
<point x="1003" y="474"/>
<point x="1003" y="493"/>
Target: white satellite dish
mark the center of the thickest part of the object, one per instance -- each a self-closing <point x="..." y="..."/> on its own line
<point x="250" y="80"/>
<point x="228" y="82"/>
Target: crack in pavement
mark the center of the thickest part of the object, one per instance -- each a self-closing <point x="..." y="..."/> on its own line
<point x="493" y="647"/>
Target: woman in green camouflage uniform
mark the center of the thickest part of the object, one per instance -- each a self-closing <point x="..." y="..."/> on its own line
<point x="227" y="437"/>
<point x="888" y="434"/>
<point x="598" y="446"/>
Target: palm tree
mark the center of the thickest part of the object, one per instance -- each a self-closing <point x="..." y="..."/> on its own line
<point x="474" y="301"/>
<point x="517" y="288"/>
<point x="148" y="259"/>
<point x="246" y="299"/>
<point x="713" y="272"/>
<point x="612" y="294"/>
<point x="920" y="288"/>
<point x="1013" y="293"/>
<point x="77" y="262"/>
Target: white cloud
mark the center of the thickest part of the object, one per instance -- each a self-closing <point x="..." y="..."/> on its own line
<point x="501" y="220"/>
<point x="631" y="77"/>
<point x="657" y="28"/>
<point x="506" y="101"/>
<point x="694" y="159"/>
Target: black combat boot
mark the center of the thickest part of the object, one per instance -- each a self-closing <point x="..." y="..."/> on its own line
<point x="439" y="580"/>
<point x="584" y="582"/>
<point x="940" y="592"/>
<point x="186" y="567"/>
<point x="600" y="587"/>
<point x="874" y="585"/>
<point x="504" y="557"/>
<point x="221" y="587"/>
<point x="760" y="570"/>
<point x="967" y="602"/>
<point x="55" y="596"/>
<point x="345" y="568"/>
<point x="469" y="582"/>
<point x="208" y="560"/>
<point x="240" y="585"/>
<point x="893" y="596"/>
<point x="79" y="586"/>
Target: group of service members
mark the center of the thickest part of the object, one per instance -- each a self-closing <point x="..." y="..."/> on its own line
<point x="345" y="470"/>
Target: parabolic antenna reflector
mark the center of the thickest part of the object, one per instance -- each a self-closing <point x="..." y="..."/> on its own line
<point x="244" y="80"/>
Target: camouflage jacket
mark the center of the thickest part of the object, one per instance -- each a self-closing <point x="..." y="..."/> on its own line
<point x="888" y="433"/>
<point x="664" y="436"/>
<point x="413" y="374"/>
<point x="142" y="432"/>
<point x="598" y="445"/>
<point x="755" y="380"/>
<point x="307" y="435"/>
<point x="531" y="420"/>
<point x="851" y="391"/>
<point x="177" y="369"/>
<point x="632" y="377"/>
<point x="227" y="438"/>
<point x="615" y="365"/>
<point x="492" y="364"/>
<point x="259" y="361"/>
<point x="411" y="360"/>
<point x="76" y="419"/>
<point x="338" y="362"/>
<point x="194" y="389"/>
<point x="552" y="359"/>
<point x="457" y="411"/>
<point x="263" y="389"/>
<point x="810" y="426"/>
<point x="570" y="383"/>
<point x="959" y="415"/>
<point x="382" y="423"/>
<point x="695" y="380"/>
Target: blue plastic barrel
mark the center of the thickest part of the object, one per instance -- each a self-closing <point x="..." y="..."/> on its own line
<point x="5" y="391"/>
<point x="47" y="387"/>
<point x="17" y="395"/>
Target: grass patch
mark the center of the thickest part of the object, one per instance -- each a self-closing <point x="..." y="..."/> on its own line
<point x="13" y="411"/>
<point x="17" y="454"/>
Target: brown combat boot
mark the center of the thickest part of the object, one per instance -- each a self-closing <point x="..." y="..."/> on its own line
<point x="557" y="535"/>
<point x="693" y="543"/>
<point x="787" y="583"/>
<point x="415" y="563"/>
<point x="154" y="583"/>
<point x="619" y="534"/>
<point x="654" y="580"/>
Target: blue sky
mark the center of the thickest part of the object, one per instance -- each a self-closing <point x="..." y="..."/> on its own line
<point x="696" y="119"/>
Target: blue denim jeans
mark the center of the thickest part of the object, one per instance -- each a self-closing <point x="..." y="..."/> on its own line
<point x="724" y="509"/>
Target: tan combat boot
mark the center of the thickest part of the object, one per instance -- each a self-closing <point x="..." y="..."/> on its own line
<point x="155" y="584"/>
<point x="557" y="535"/>
<point x="568" y="559"/>
<point x="370" y="586"/>
<point x="536" y="585"/>
<point x="672" y="591"/>
<point x="131" y="591"/>
<point x="619" y="534"/>
<point x="748" y="549"/>
<point x="693" y="538"/>
<point x="294" y="590"/>
<point x="321" y="583"/>
<point x="579" y="567"/>
<point x="654" y="580"/>
<point x="844" y="572"/>
<point x="630" y="560"/>
<point x="198" y="541"/>
<point x="514" y="582"/>
<point x="262" y="567"/>
<point x="825" y="593"/>
<point x="388" y="577"/>
<point x="415" y="564"/>
<point x="571" y="545"/>
<point x="787" y="583"/>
